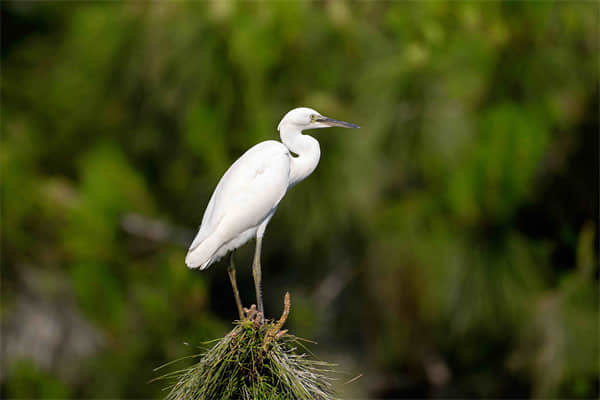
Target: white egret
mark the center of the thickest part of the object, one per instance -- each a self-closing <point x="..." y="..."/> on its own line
<point x="247" y="196"/>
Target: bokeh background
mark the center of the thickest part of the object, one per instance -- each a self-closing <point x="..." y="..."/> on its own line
<point x="447" y="248"/>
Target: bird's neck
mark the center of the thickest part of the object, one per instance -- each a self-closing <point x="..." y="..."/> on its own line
<point x="307" y="149"/>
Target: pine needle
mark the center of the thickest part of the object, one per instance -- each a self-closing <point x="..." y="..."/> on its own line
<point x="238" y="367"/>
<point x="254" y="361"/>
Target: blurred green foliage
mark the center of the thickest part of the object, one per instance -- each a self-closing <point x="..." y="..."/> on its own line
<point x="465" y="208"/>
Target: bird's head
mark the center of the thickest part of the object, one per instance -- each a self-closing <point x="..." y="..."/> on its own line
<point x="303" y="118"/>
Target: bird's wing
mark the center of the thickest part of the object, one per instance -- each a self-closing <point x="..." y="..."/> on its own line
<point x="248" y="192"/>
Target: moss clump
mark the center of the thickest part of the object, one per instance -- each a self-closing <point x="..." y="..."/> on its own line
<point x="254" y="361"/>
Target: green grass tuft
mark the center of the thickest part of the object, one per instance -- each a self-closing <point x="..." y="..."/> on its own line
<point x="254" y="362"/>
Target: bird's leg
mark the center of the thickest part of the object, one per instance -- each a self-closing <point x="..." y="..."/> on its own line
<point x="257" y="275"/>
<point x="236" y="293"/>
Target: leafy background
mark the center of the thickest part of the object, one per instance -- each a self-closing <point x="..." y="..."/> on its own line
<point x="447" y="248"/>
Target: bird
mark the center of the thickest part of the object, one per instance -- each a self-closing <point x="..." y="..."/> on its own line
<point x="248" y="194"/>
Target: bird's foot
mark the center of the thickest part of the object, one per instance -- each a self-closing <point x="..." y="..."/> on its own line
<point x="253" y="315"/>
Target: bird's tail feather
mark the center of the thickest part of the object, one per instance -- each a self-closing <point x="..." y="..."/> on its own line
<point x="201" y="256"/>
<point x="195" y="261"/>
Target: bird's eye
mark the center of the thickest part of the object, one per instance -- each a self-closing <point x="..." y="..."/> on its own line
<point x="313" y="118"/>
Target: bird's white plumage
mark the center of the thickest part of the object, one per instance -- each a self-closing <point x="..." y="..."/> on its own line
<point x="249" y="192"/>
<point x="246" y="196"/>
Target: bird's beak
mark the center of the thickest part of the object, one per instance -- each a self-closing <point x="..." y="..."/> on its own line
<point x="334" y="122"/>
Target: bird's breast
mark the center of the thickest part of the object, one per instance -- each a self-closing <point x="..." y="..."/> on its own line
<point x="250" y="189"/>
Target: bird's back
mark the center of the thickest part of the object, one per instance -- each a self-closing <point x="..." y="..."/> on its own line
<point x="246" y="195"/>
